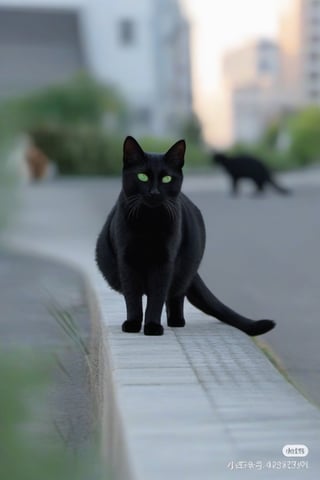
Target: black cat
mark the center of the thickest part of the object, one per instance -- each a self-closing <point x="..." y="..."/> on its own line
<point x="246" y="166"/>
<point x="152" y="243"/>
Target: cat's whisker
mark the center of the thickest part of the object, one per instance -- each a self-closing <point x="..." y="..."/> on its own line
<point x="134" y="203"/>
<point x="171" y="212"/>
<point x="171" y="209"/>
<point x="131" y="212"/>
<point x="133" y="199"/>
<point x="135" y="211"/>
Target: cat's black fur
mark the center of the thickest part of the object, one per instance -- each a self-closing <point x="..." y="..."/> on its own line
<point x="246" y="166"/>
<point x="152" y="243"/>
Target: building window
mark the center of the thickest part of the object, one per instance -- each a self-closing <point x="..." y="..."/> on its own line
<point x="127" y="33"/>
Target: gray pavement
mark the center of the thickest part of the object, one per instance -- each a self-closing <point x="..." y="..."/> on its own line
<point x="262" y="257"/>
<point x="33" y="291"/>
<point x="195" y="402"/>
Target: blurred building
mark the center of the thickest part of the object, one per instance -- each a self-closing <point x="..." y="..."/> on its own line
<point x="38" y="46"/>
<point x="141" y="47"/>
<point x="299" y="40"/>
<point x="264" y="79"/>
<point x="250" y="76"/>
<point x="255" y="62"/>
<point x="147" y="56"/>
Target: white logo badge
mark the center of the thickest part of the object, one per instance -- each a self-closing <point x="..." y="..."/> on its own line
<point x="295" y="450"/>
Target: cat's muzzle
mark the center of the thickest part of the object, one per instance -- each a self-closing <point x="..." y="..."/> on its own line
<point x="153" y="200"/>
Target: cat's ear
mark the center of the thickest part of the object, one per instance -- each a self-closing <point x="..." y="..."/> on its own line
<point x="175" y="154"/>
<point x="132" y="152"/>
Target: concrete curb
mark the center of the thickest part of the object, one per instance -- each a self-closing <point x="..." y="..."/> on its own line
<point x="193" y="403"/>
<point x="114" y="450"/>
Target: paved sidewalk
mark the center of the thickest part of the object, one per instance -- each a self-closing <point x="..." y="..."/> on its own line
<point x="185" y="406"/>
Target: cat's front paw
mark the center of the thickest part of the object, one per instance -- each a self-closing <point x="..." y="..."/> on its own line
<point x="131" y="326"/>
<point x="176" y="322"/>
<point x="153" y="329"/>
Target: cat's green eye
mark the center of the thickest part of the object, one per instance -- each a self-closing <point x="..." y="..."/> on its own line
<point x="143" y="177"/>
<point x="166" y="179"/>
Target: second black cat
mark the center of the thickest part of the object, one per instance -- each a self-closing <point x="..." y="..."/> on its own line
<point x="246" y="166"/>
<point x="152" y="244"/>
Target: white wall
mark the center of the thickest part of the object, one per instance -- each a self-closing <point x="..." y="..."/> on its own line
<point x="135" y="69"/>
<point x="130" y="67"/>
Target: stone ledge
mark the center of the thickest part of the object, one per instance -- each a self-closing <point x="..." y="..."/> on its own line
<point x="189" y="403"/>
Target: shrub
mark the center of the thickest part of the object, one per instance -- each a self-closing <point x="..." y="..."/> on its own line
<point x="66" y="121"/>
<point x="80" y="151"/>
<point x="81" y="101"/>
<point x="301" y="131"/>
<point x="196" y="156"/>
<point x="304" y="129"/>
<point x="85" y="151"/>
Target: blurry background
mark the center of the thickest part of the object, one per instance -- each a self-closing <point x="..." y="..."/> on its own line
<point x="77" y="76"/>
<point x="86" y="70"/>
<point x="78" y="73"/>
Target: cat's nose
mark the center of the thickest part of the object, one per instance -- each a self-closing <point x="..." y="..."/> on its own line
<point x="154" y="197"/>
<point x="154" y="192"/>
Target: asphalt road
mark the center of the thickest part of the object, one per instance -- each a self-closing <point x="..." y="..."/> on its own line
<point x="262" y="255"/>
<point x="263" y="259"/>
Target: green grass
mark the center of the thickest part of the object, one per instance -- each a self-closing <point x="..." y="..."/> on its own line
<point x="279" y="365"/>
<point x="25" y="453"/>
<point x="8" y="186"/>
<point x="68" y="326"/>
<point x="31" y="453"/>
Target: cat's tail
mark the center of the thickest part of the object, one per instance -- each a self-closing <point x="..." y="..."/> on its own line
<point x="200" y="296"/>
<point x="279" y="188"/>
